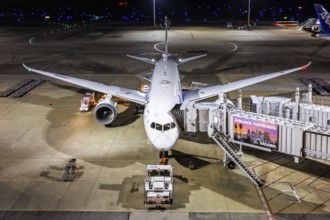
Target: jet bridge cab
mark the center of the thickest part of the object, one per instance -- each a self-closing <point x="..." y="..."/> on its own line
<point x="162" y="130"/>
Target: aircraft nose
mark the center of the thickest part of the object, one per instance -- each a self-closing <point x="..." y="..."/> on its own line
<point x="163" y="143"/>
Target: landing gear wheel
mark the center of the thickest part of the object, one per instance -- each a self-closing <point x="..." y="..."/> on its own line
<point x="163" y="153"/>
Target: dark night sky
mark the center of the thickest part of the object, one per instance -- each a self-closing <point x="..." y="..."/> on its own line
<point x="141" y="10"/>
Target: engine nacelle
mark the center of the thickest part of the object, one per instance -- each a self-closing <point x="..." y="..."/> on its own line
<point x="315" y="28"/>
<point x="106" y="111"/>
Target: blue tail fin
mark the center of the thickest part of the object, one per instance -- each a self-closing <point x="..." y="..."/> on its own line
<point x="324" y="18"/>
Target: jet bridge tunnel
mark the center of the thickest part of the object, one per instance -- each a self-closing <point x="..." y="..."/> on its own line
<point x="295" y="127"/>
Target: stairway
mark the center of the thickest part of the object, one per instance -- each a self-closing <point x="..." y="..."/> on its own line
<point x="228" y="147"/>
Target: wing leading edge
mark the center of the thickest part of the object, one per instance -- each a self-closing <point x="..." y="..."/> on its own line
<point x="211" y="91"/>
<point x="125" y="93"/>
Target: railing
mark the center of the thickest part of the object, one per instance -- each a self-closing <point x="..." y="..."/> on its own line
<point x="220" y="139"/>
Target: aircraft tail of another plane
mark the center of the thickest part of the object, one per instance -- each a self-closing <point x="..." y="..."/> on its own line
<point x="324" y="18"/>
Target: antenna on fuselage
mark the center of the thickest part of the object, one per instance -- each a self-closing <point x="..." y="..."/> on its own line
<point x="166" y="23"/>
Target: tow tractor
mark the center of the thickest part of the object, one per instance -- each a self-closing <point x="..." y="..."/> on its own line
<point x="158" y="186"/>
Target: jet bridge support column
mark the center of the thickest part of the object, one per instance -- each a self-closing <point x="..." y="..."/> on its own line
<point x="309" y="94"/>
<point x="296" y="105"/>
<point x="239" y="107"/>
<point x="190" y="118"/>
<point x="224" y="125"/>
<point x="239" y="100"/>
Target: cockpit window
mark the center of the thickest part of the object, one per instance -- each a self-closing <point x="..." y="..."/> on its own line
<point x="167" y="127"/>
<point x="172" y="125"/>
<point x="159" y="127"/>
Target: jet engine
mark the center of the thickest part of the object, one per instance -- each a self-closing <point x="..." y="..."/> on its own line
<point x="106" y="111"/>
<point x="315" y="28"/>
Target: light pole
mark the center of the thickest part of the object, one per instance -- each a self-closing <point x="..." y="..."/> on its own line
<point x="248" y="13"/>
<point x="154" y="6"/>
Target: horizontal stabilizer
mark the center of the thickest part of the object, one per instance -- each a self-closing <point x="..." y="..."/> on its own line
<point x="180" y="61"/>
<point x="144" y="59"/>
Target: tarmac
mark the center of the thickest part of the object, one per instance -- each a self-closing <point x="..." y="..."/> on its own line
<point x="43" y="129"/>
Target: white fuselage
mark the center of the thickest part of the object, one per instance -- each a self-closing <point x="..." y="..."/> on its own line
<point x="165" y="92"/>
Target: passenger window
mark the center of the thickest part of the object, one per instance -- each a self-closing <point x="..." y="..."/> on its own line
<point x="159" y="127"/>
<point x="153" y="125"/>
<point x="172" y="125"/>
<point x="167" y="127"/>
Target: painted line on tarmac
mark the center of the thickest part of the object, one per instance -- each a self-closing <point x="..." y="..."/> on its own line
<point x="10" y="61"/>
<point x="279" y="166"/>
<point x="303" y="180"/>
<point x="268" y="161"/>
<point x="235" y="47"/>
<point x="307" y="194"/>
<point x="155" y="47"/>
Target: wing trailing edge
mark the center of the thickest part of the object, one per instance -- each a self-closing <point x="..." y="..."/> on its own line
<point x="212" y="91"/>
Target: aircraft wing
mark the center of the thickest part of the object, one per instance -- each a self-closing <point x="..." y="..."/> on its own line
<point x="211" y="91"/>
<point x="125" y="93"/>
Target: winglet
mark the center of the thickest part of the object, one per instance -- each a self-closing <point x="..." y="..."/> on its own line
<point x="303" y="68"/>
<point x="26" y="67"/>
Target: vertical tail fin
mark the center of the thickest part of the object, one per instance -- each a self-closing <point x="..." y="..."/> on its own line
<point x="166" y="42"/>
<point x="324" y="18"/>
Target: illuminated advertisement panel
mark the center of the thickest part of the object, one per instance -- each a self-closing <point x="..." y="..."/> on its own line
<point x="255" y="132"/>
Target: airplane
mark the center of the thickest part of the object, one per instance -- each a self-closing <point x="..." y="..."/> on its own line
<point x="324" y="18"/>
<point x="311" y="25"/>
<point x="165" y="94"/>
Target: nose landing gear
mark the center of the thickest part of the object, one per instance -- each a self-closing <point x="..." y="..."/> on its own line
<point x="163" y="155"/>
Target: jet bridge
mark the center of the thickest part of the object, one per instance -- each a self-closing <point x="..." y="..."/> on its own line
<point x="297" y="127"/>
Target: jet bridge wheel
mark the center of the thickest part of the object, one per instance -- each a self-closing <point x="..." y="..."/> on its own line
<point x="230" y="164"/>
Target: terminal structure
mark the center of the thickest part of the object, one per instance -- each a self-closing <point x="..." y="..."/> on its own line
<point x="295" y="127"/>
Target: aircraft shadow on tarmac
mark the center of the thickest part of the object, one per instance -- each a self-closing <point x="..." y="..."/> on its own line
<point x="199" y="137"/>
<point x="189" y="160"/>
